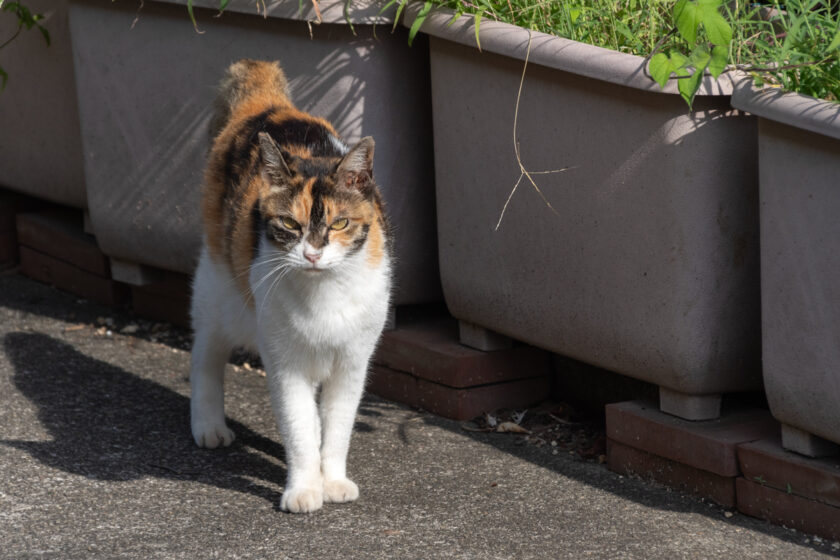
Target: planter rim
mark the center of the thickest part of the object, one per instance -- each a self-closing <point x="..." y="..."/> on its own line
<point x="794" y="109"/>
<point x="555" y="52"/>
<point x="361" y="12"/>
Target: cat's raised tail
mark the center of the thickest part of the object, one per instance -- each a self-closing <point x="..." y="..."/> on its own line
<point x="245" y="79"/>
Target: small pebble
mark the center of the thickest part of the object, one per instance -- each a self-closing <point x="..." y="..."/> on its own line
<point x="130" y="329"/>
<point x="728" y="514"/>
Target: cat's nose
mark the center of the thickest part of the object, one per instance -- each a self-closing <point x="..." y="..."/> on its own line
<point x="312" y="256"/>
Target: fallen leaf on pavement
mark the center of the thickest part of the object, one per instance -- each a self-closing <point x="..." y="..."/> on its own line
<point x="512" y="427"/>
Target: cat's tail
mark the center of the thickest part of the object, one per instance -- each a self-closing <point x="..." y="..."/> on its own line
<point x="244" y="79"/>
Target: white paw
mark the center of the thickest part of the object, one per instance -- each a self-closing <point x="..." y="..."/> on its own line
<point x="340" y="490"/>
<point x="212" y="434"/>
<point x="302" y="500"/>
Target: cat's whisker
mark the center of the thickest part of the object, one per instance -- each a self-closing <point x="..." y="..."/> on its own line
<point x="274" y="259"/>
<point x="279" y="271"/>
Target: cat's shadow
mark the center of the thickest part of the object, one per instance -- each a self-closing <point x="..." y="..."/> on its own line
<point x="108" y="424"/>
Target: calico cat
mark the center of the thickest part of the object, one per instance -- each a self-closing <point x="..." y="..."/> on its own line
<point x="295" y="264"/>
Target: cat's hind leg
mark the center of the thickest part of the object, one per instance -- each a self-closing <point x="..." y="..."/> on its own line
<point x="207" y="400"/>
<point x="210" y="353"/>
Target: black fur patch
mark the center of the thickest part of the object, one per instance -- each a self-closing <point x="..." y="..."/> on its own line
<point x="359" y="242"/>
<point x="320" y="189"/>
<point x="258" y="228"/>
<point x="300" y="132"/>
<point x="315" y="167"/>
<point x="279" y="235"/>
<point x="239" y="159"/>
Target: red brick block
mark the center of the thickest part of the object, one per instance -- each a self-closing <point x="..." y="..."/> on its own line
<point x="628" y="461"/>
<point x="65" y="276"/>
<point x="710" y="445"/>
<point x="160" y="308"/>
<point x="430" y="350"/>
<point x="12" y="204"/>
<point x="59" y="234"/>
<point x="766" y="462"/>
<point x="455" y="403"/>
<point x="786" y="509"/>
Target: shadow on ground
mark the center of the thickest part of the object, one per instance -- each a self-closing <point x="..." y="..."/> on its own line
<point x="108" y="424"/>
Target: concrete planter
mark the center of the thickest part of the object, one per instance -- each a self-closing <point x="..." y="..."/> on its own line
<point x="648" y="263"/>
<point x="799" y="162"/>
<point x="40" y="140"/>
<point x="145" y="93"/>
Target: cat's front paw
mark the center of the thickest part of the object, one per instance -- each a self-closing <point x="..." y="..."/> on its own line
<point x="302" y="500"/>
<point x="212" y="435"/>
<point x="340" y="490"/>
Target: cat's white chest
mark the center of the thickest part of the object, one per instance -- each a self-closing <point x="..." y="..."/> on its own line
<point x="324" y="313"/>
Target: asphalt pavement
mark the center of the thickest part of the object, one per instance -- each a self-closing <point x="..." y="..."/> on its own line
<point x="97" y="461"/>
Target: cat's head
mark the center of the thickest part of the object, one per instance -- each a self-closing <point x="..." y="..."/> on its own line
<point x="321" y="212"/>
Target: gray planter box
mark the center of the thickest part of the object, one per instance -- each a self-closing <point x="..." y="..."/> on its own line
<point x="145" y="95"/>
<point x="648" y="263"/>
<point x="799" y="161"/>
<point x="40" y="140"/>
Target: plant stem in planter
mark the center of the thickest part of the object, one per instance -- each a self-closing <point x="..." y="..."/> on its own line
<point x="26" y="20"/>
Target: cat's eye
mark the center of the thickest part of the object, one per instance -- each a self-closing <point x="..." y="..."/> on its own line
<point x="339" y="224"/>
<point x="289" y="223"/>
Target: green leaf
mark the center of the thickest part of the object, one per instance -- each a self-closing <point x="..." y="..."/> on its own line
<point x="686" y="84"/>
<point x="717" y="28"/>
<point x="660" y="68"/>
<point x="835" y="43"/>
<point x="192" y="15"/>
<point x="720" y="57"/>
<point x="418" y="21"/>
<point x="688" y="87"/>
<point x="46" y="34"/>
<point x="455" y="17"/>
<point x="626" y="32"/>
<point x="687" y="18"/>
<point x="386" y="6"/>
<point x="346" y="16"/>
<point x="700" y="58"/>
<point x="477" y="23"/>
<point x="222" y="5"/>
<point x="400" y="8"/>
<point x="679" y="62"/>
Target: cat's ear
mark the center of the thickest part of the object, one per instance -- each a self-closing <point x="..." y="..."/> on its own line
<point x="274" y="164"/>
<point x="355" y="171"/>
